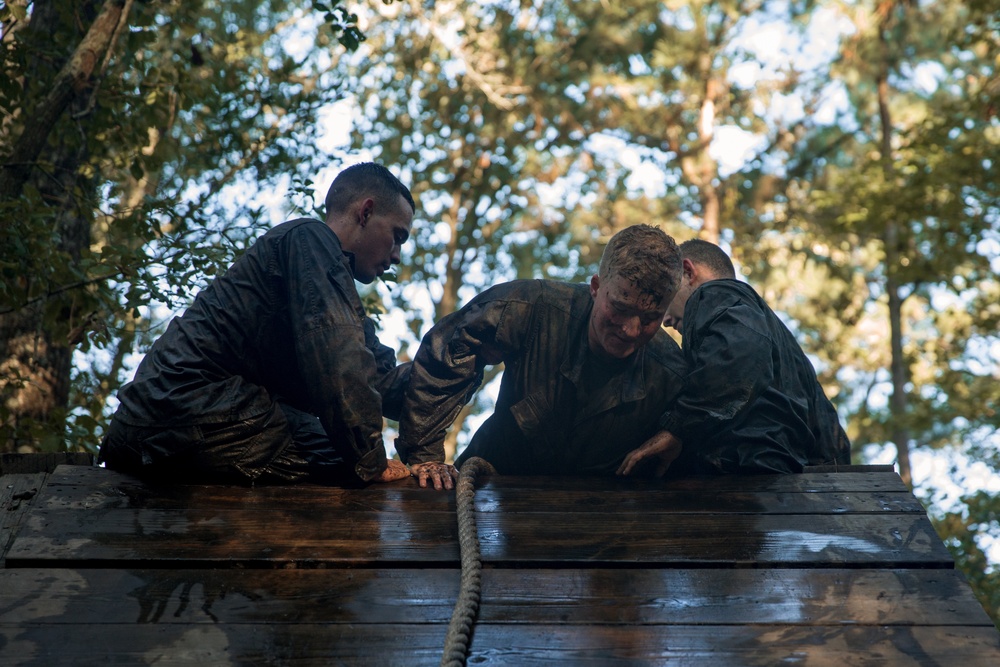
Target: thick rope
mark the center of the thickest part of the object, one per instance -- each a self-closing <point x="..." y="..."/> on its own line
<point x="456" y="644"/>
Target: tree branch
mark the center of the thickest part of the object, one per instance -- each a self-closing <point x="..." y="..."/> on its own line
<point x="74" y="77"/>
<point x="59" y="290"/>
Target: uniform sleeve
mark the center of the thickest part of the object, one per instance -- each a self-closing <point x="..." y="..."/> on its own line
<point x="449" y="367"/>
<point x="728" y="352"/>
<point x="337" y="366"/>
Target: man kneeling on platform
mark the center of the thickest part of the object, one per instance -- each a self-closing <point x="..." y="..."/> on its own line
<point x="275" y="374"/>
<point x="588" y="371"/>
<point x="751" y="402"/>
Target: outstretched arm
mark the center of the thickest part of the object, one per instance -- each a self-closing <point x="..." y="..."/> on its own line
<point x="448" y="369"/>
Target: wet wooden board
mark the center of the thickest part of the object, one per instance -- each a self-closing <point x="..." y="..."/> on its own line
<point x="94" y="515"/>
<point x="96" y="489"/>
<point x="95" y="479"/>
<point x="24" y="464"/>
<point x="264" y="643"/>
<point x="17" y="493"/>
<point x="819" y="569"/>
<point x="311" y="536"/>
<point x="523" y="596"/>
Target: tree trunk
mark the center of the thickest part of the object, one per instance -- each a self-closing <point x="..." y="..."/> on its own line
<point x="34" y="379"/>
<point x="898" y="402"/>
<point x="35" y="347"/>
<point x="75" y="78"/>
<point x="710" y="204"/>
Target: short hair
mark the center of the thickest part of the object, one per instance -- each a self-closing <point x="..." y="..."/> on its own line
<point x="646" y="256"/>
<point x="710" y="256"/>
<point x="367" y="179"/>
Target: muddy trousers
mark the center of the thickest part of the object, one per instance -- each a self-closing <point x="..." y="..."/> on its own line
<point x="281" y="446"/>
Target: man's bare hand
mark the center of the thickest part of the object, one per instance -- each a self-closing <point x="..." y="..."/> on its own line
<point x="664" y="445"/>
<point x="441" y="475"/>
<point x="394" y="471"/>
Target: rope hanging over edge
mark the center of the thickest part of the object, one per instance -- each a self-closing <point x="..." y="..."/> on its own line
<point x="456" y="643"/>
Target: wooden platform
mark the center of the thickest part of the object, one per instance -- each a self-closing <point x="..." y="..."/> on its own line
<point x="814" y="569"/>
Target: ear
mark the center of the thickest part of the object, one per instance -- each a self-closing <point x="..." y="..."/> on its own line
<point x="690" y="270"/>
<point x="365" y="211"/>
<point x="595" y="284"/>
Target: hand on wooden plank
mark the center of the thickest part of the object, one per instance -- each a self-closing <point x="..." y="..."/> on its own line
<point x="441" y="475"/>
<point x="393" y="471"/>
<point x="664" y="445"/>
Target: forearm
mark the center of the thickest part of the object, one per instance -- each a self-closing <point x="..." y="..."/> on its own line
<point x="335" y="346"/>
<point x="446" y="372"/>
<point x="431" y="406"/>
<point x="339" y="372"/>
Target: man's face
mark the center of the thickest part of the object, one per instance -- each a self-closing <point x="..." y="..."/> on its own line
<point x="624" y="318"/>
<point x="385" y="230"/>
<point x="675" y="311"/>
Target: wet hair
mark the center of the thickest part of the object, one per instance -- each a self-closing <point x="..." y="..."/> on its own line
<point x="367" y="179"/>
<point x="710" y="256"/>
<point x="646" y="256"/>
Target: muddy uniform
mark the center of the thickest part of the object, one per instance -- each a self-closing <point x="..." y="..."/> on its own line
<point x="751" y="402"/>
<point x="273" y="374"/>
<point x="561" y="409"/>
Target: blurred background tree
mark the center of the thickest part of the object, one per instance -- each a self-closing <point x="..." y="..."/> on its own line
<point x="844" y="152"/>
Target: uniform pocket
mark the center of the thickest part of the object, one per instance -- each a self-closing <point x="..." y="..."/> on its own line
<point x="531" y="414"/>
<point x="158" y="444"/>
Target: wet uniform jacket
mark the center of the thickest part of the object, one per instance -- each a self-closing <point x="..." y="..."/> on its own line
<point x="751" y="401"/>
<point x="285" y="321"/>
<point x="560" y="409"/>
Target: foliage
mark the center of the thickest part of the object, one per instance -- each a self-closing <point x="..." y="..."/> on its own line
<point x="511" y="120"/>
<point x="202" y="108"/>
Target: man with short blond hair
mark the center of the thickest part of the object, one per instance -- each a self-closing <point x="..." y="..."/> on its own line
<point x="587" y="368"/>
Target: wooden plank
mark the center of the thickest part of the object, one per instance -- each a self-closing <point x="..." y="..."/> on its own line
<point x="17" y="492"/>
<point x="408" y="644"/>
<point x="801" y="483"/>
<point x="521" y="596"/>
<point x="725" y="540"/>
<point x="410" y="537"/>
<point x="488" y="499"/>
<point x="23" y="464"/>
<point x="846" y="482"/>
<point x="887" y="467"/>
<point x="103" y="491"/>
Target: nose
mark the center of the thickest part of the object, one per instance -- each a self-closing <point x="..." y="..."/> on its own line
<point x="394" y="256"/>
<point x="631" y="326"/>
<point x="670" y="321"/>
